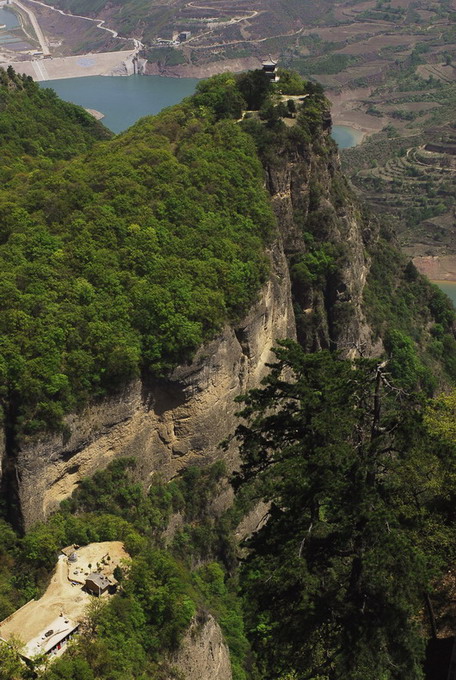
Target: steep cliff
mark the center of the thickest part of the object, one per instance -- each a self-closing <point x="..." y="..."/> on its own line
<point x="319" y="217"/>
<point x="167" y="424"/>
<point x="202" y="654"/>
<point x="163" y="238"/>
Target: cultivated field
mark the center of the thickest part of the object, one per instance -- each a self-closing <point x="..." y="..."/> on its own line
<point x="414" y="180"/>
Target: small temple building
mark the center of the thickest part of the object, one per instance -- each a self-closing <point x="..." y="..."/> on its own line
<point x="97" y="584"/>
<point x="270" y="68"/>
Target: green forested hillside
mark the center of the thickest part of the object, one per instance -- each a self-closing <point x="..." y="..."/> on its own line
<point x="37" y="128"/>
<point x="130" y="636"/>
<point x="128" y="257"/>
<point x="120" y="257"/>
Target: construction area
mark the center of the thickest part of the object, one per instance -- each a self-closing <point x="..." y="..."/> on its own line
<point x="97" y="64"/>
<point x="45" y="625"/>
<point x="25" y="46"/>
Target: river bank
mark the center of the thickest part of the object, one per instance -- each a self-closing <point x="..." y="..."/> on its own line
<point x="449" y="288"/>
<point x="345" y="111"/>
<point x="203" y="71"/>
<point x="347" y="136"/>
<point x="438" y="268"/>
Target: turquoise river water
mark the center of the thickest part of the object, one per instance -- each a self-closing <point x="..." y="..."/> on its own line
<point x="448" y="287"/>
<point x="9" y="20"/>
<point x="123" y="100"/>
<point x="346" y="136"/>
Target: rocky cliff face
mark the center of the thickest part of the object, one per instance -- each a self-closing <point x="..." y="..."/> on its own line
<point x="312" y="198"/>
<point x="203" y="654"/>
<point x="167" y="425"/>
<point x="164" y="425"/>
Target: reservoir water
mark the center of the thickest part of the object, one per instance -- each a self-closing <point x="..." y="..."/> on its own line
<point x="124" y="100"/>
<point x="448" y="287"/>
<point x="8" y="18"/>
<point x="346" y="136"/>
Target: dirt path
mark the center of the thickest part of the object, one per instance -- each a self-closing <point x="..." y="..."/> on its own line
<point x="99" y="22"/>
<point x="253" y="13"/>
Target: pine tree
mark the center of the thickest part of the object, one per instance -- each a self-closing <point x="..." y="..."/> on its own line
<point x="335" y="579"/>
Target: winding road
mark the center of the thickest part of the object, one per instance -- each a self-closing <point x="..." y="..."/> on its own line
<point x="239" y="42"/>
<point x="99" y="22"/>
<point x="193" y="5"/>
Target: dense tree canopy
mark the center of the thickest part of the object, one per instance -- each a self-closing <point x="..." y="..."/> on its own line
<point x="334" y="582"/>
<point x="128" y="258"/>
<point x="37" y="128"/>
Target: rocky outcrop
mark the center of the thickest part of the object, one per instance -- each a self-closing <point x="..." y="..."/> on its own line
<point x="203" y="654"/>
<point x="252" y="521"/>
<point x="165" y="425"/>
<point x="127" y="67"/>
<point x="309" y="193"/>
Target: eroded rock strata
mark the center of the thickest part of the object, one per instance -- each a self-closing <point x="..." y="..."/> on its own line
<point x="169" y="424"/>
<point x="164" y="425"/>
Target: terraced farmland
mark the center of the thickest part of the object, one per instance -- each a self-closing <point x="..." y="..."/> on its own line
<point x="417" y="187"/>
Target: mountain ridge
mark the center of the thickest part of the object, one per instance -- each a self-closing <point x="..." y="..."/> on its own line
<point x="135" y="296"/>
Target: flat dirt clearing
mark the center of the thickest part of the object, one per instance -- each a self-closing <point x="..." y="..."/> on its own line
<point x="93" y="554"/>
<point x="61" y="596"/>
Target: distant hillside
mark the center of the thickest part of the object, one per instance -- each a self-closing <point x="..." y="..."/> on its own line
<point x="235" y="23"/>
